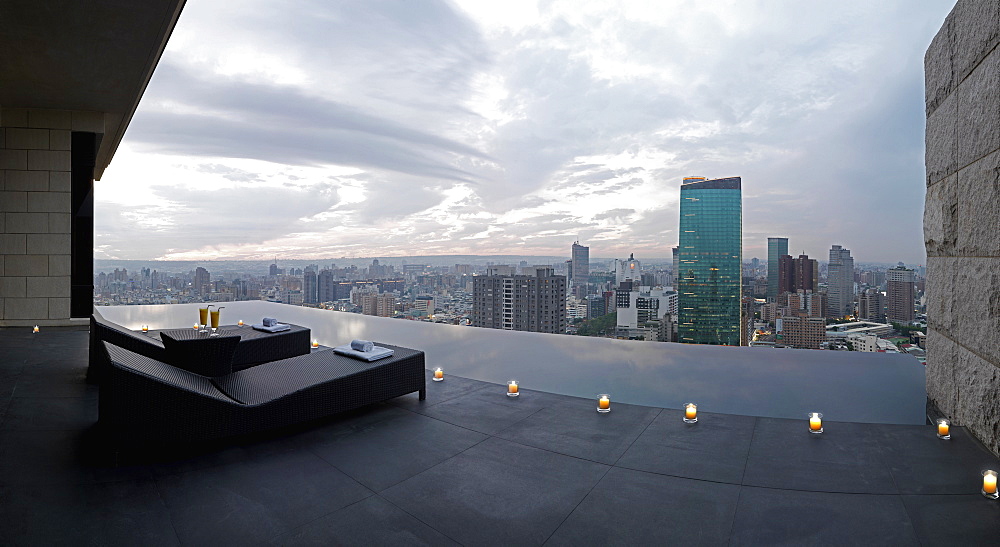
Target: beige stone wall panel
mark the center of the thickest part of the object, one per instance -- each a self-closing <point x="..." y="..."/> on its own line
<point x="37" y="287"/>
<point x="49" y="202"/>
<point x="25" y="308"/>
<point x="978" y="124"/>
<point x="939" y="78"/>
<point x="26" y="265"/>
<point x="27" y="181"/>
<point x="26" y="223"/>
<point x="975" y="31"/>
<point x="26" y="139"/>
<point x="49" y="244"/>
<point x="939" y="141"/>
<point x="976" y="403"/>
<point x="940" y="217"/>
<point x="13" y="202"/>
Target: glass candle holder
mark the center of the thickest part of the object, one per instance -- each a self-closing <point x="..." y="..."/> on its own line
<point x="34" y="330"/>
<point x="240" y="323"/>
<point x="815" y="422"/>
<point x="990" y="484"/>
<point x="690" y="413"/>
<point x="603" y="403"/>
<point x="315" y="344"/>
<point x="196" y="326"/>
<point x="145" y="329"/>
<point x="438" y="374"/>
<point x="943" y="429"/>
<point x="512" y="388"/>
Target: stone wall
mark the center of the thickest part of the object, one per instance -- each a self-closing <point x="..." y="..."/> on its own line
<point x="35" y="213"/>
<point x="962" y="218"/>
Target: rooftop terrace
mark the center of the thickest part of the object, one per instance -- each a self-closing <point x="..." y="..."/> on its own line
<point x="472" y="466"/>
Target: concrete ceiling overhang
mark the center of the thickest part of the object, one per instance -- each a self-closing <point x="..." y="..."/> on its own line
<point x="73" y="55"/>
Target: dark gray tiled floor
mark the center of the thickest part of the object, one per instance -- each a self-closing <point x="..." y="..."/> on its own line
<point x="472" y="466"/>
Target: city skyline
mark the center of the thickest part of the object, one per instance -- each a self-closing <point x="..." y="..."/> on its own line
<point x="375" y="132"/>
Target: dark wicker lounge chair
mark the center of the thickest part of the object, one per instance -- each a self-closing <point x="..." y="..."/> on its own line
<point x="145" y="400"/>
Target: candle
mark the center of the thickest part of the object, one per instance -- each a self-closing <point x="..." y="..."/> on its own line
<point x="512" y="388"/>
<point x="240" y="322"/>
<point x="990" y="483"/>
<point x="815" y="422"/>
<point x="944" y="429"/>
<point x="690" y="413"/>
<point x="438" y="375"/>
<point x="35" y="329"/>
<point x="315" y="344"/>
<point x="196" y="326"/>
<point x="604" y="403"/>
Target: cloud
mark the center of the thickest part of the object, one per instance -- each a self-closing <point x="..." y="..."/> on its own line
<point x="452" y="128"/>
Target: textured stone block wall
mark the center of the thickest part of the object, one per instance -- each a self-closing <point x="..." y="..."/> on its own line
<point x="962" y="218"/>
<point x="35" y="212"/>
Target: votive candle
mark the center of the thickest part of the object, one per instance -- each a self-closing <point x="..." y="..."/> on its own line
<point x="34" y="330"/>
<point x="944" y="429"/>
<point x="196" y="326"/>
<point x="815" y="422"/>
<point x="512" y="388"/>
<point x="604" y="403"/>
<point x="438" y="374"/>
<point x="315" y="344"/>
<point x="990" y="484"/>
<point x="240" y="322"/>
<point x="145" y="328"/>
<point x="690" y="413"/>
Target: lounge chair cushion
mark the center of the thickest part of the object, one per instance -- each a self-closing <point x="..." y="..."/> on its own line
<point x="210" y="356"/>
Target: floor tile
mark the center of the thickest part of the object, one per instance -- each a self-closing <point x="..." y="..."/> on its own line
<point x="636" y="508"/>
<point x="575" y="428"/>
<point x="921" y="463"/>
<point x="954" y="520"/>
<point x="767" y="516"/>
<point x="372" y="521"/>
<point x="118" y="513"/>
<point x="392" y="451"/>
<point x="844" y="458"/>
<point x="498" y="492"/>
<point x="438" y="392"/>
<point x="252" y="501"/>
<point x="715" y="448"/>
<point x="50" y="413"/>
<point x="490" y="410"/>
<point x="61" y="457"/>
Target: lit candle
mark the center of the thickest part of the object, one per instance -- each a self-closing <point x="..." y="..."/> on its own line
<point x="944" y="429"/>
<point x="512" y="388"/>
<point x="604" y="403"/>
<point x="196" y="326"/>
<point x="990" y="483"/>
<point x="315" y="344"/>
<point x="240" y="322"/>
<point x="690" y="413"/>
<point x="35" y="329"/>
<point x="438" y="375"/>
<point x="145" y="328"/>
<point x="815" y="422"/>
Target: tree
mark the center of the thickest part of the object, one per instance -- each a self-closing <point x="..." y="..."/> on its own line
<point x="598" y="325"/>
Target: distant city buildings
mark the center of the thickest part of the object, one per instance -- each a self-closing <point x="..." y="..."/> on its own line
<point x="840" y="283"/>
<point x="871" y="306"/>
<point x="710" y="249"/>
<point x="580" y="263"/>
<point x="629" y="269"/>
<point x="534" y="302"/>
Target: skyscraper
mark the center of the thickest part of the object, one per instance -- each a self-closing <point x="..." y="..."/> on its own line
<point x="899" y="294"/>
<point x="776" y="248"/>
<point x="795" y="274"/>
<point x="201" y="282"/>
<point x="535" y="302"/>
<point x="711" y="249"/>
<point x="581" y="264"/>
<point x="310" y="289"/>
<point x="840" y="283"/>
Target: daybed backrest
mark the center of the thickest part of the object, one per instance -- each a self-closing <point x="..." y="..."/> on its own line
<point x="201" y="354"/>
<point x="162" y="372"/>
<point x="102" y="330"/>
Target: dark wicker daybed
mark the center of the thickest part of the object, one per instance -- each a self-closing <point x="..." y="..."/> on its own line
<point x="145" y="400"/>
<point x="254" y="347"/>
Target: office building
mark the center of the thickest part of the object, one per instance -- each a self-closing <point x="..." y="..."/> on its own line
<point x="200" y="284"/>
<point x="801" y="332"/>
<point x="776" y="248"/>
<point x="580" y="264"/>
<point x="899" y="294"/>
<point x="535" y="302"/>
<point x="806" y="304"/>
<point x="840" y="283"/>
<point x="382" y="305"/>
<point x="675" y="273"/>
<point x="797" y="274"/>
<point x="627" y="270"/>
<point x="310" y="288"/>
<point x="711" y="233"/>
<point x="639" y="305"/>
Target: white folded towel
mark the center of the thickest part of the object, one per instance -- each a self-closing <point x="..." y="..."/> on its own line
<point x="362" y="345"/>
<point x="278" y="327"/>
<point x="374" y="355"/>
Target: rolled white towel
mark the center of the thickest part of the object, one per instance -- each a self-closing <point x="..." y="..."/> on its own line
<point x="362" y="345"/>
<point x="270" y="321"/>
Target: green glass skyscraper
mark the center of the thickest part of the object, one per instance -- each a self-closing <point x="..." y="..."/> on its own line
<point x="711" y="255"/>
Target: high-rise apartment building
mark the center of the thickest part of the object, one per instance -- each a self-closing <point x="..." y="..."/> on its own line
<point x="535" y="303"/>
<point x="776" y="248"/>
<point x="630" y="269"/>
<point x="796" y="274"/>
<point x="325" y="286"/>
<point x="871" y="306"/>
<point x="840" y="283"/>
<point x="580" y="259"/>
<point x="711" y="249"/>
<point x="381" y="305"/>
<point x="899" y="294"/>
<point x="801" y="332"/>
<point x="200" y="283"/>
<point x="806" y="304"/>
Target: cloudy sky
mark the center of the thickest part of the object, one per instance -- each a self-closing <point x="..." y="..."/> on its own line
<point x="391" y="128"/>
